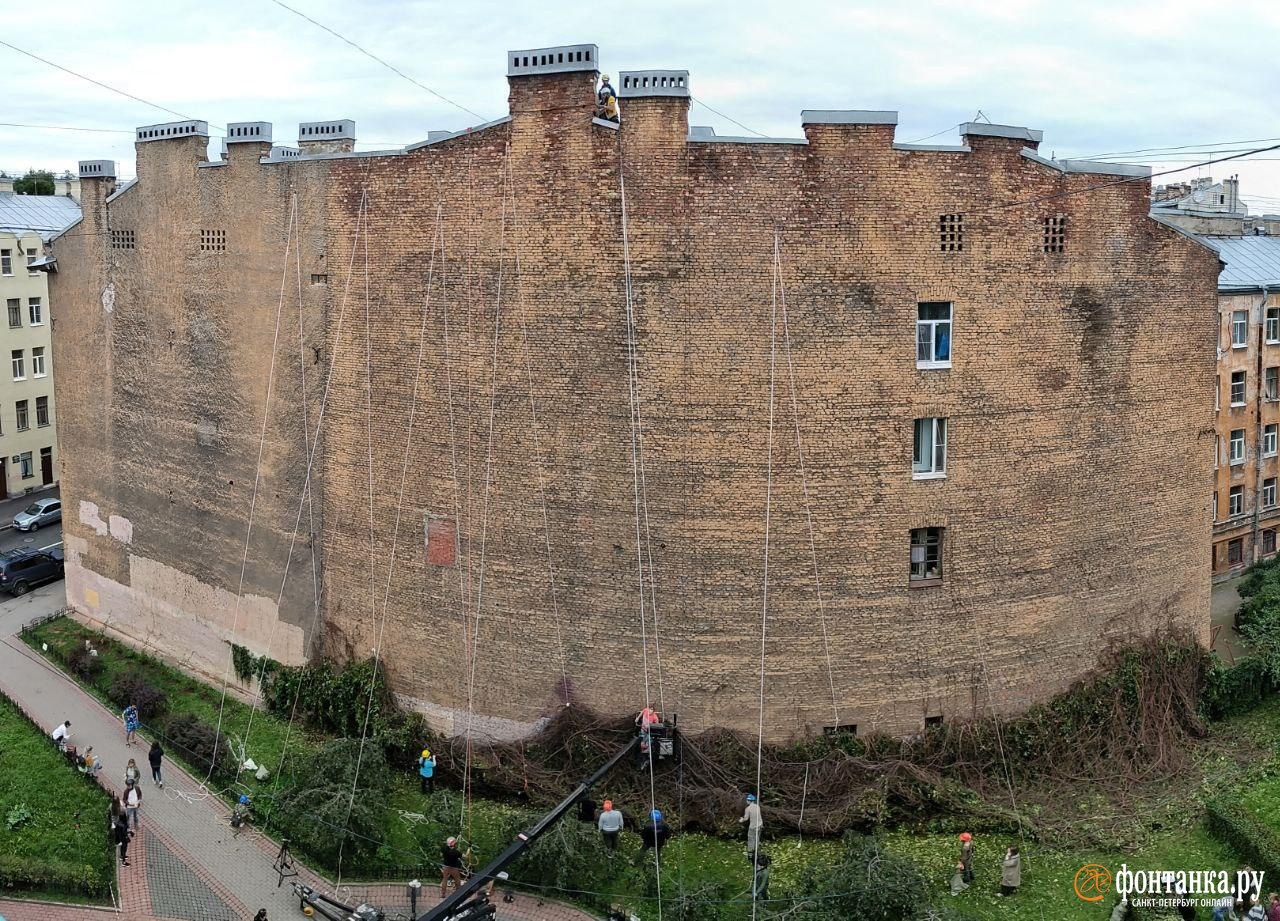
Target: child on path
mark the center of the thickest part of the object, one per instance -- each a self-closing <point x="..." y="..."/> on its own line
<point x="129" y="716"/>
<point x="155" y="756"/>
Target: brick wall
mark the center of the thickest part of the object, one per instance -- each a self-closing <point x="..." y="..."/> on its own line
<point x="1079" y="445"/>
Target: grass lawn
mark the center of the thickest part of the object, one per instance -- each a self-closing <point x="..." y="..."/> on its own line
<point x="60" y="850"/>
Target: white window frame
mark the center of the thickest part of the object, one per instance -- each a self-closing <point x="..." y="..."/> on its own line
<point x="1239" y="329"/>
<point x="6" y="262"/>
<point x="935" y="363"/>
<point x="35" y="311"/>
<point x="1235" y="501"/>
<point x="1269" y="438"/>
<point x="1272" y="326"/>
<point x="32" y="256"/>
<point x="1236" y="457"/>
<point x="17" y="362"/>
<point x="37" y="362"/>
<point x="26" y="466"/>
<point x="935" y="466"/>
<point x="1217" y="451"/>
<point x="1271" y="383"/>
<point x="1215" y="505"/>
<point x="22" y="415"/>
<point x="47" y="418"/>
<point x="1269" y="492"/>
<point x="1244" y="388"/>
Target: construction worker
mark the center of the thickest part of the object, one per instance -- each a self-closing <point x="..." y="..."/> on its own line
<point x="755" y="825"/>
<point x="606" y="100"/>
<point x="450" y="866"/>
<point x="427" y="770"/>
<point x="646" y="719"/>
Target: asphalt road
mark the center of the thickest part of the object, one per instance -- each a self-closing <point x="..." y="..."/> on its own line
<point x="48" y="535"/>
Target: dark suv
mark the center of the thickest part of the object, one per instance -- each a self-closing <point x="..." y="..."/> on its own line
<point x="22" y="569"/>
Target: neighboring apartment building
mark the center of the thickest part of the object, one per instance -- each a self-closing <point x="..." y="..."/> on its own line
<point x="65" y="184"/>
<point x="1246" y="480"/>
<point x="28" y="443"/>
<point x="986" y="371"/>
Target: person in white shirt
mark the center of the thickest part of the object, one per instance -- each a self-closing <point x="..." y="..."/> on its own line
<point x="62" y="734"/>
<point x="755" y="825"/>
<point x="132" y="800"/>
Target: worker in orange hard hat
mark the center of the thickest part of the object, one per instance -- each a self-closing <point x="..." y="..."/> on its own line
<point x="966" y="857"/>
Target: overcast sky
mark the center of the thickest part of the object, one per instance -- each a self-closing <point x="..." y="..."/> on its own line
<point x="1096" y="77"/>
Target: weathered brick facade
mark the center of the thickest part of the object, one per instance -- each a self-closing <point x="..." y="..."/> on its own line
<point x="1079" y="429"/>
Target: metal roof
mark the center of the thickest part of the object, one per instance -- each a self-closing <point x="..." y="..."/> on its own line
<point x="42" y="214"/>
<point x="1252" y="262"/>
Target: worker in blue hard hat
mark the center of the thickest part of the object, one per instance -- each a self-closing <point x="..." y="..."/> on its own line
<point x="755" y="826"/>
<point x="655" y="832"/>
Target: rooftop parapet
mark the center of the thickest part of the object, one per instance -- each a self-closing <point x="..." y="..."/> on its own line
<point x="559" y="60"/>
<point x="634" y="84"/>
<point x="848" y="117"/>
<point x="170" y="130"/>
<point x="97" y="169"/>
<point x="248" y="132"/>
<point x="1012" y="132"/>
<point x="339" y="129"/>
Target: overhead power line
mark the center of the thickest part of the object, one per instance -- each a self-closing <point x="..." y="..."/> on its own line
<point x="373" y="57"/>
<point x="64" y="128"/>
<point x="105" y="86"/>
<point x="1119" y="153"/>
<point x="727" y="117"/>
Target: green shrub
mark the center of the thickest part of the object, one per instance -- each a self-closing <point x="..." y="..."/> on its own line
<point x="873" y="885"/>
<point x="133" y="688"/>
<point x="1235" y="689"/>
<point x="333" y="700"/>
<point x="24" y="873"/>
<point x="1256" y="842"/>
<point x="83" y="664"/>
<point x="1259" y="576"/>
<point x="199" y="745"/>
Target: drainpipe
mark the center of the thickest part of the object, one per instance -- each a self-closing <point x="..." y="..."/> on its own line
<point x="1254" y="555"/>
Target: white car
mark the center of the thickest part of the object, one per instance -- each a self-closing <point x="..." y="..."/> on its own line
<point x="42" y="511"/>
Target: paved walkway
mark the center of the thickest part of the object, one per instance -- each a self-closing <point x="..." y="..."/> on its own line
<point x="1225" y="600"/>
<point x="186" y="863"/>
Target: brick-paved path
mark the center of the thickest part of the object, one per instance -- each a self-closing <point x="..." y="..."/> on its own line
<point x="186" y="863"/>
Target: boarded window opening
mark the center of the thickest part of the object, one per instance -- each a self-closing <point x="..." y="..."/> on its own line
<point x="442" y="540"/>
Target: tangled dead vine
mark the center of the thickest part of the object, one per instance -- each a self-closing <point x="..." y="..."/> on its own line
<point x="1130" y="723"/>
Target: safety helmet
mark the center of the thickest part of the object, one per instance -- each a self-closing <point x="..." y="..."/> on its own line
<point x="244" y="800"/>
<point x="604" y="77"/>
<point x="426" y="753"/>
<point x="965" y="836"/>
<point x="751" y="797"/>
<point x="657" y="815"/>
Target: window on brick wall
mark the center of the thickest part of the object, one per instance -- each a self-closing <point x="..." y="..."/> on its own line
<point x="1235" y="501"/>
<point x="951" y="233"/>
<point x="319" y="279"/>
<point x="1239" y="329"/>
<point x="15" y="312"/>
<point x="1055" y="233"/>
<point x="1217" y="451"/>
<point x="1237" y="446"/>
<point x="1269" y="492"/>
<point x="933" y="334"/>
<point x="213" y="241"/>
<point x="1271" y="383"/>
<point x="926" y="554"/>
<point x="1217" y="392"/>
<point x="847" y="729"/>
<point x="1272" y="332"/>
<point x="1269" y="541"/>
<point x="1235" y="551"/>
<point x="930" y="457"/>
<point x="123" y="239"/>
<point x="1237" y="388"/>
<point x="1269" y="433"/>
<point x="1215" y="505"/>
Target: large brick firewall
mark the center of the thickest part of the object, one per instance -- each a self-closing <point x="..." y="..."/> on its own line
<point x="1079" y="437"/>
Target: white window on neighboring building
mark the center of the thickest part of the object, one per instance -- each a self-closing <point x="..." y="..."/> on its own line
<point x="42" y="411"/>
<point x="19" y="372"/>
<point x="6" y="262"/>
<point x="926" y="554"/>
<point x="15" y="312"/>
<point x="1271" y="383"/>
<point x="1269" y="492"/>
<point x="1239" y="329"/>
<point x="930" y="458"/>
<point x="1269" y="433"/>
<point x="933" y="335"/>
<point x="37" y="361"/>
<point x="1235" y="501"/>
<point x="20" y="410"/>
<point x="36" y="310"/>
<point x="1237" y="446"/>
<point x="1237" y="388"/>
<point x="31" y="257"/>
<point x="28" y="468"/>
<point x="1272" y="331"/>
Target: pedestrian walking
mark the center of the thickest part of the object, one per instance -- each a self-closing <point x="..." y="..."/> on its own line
<point x="1010" y="871"/>
<point x="129" y="716"/>
<point x="610" y="824"/>
<point x="450" y="866"/>
<point x="62" y="734"/>
<point x="156" y="756"/>
<point x="131" y="773"/>
<point x="119" y="825"/>
<point x="966" y="856"/>
<point x="427" y="770"/>
<point x="755" y="825"/>
<point x="958" y="882"/>
<point x="133" y="801"/>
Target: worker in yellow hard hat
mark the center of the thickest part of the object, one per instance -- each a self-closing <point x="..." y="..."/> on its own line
<point x="427" y="770"/>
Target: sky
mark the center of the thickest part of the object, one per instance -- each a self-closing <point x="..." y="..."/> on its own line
<point x="1096" y="77"/>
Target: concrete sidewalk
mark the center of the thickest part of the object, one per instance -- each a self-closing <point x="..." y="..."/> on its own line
<point x="187" y="864"/>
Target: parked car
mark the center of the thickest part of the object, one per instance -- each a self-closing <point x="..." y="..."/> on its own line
<point x="40" y="512"/>
<point x="21" y="570"/>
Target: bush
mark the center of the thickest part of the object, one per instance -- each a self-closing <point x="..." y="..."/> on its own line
<point x="1239" y="828"/>
<point x="198" y="744"/>
<point x="132" y="688"/>
<point x="873" y="885"/>
<point x="83" y="665"/>
<point x="1233" y="689"/>
<point x="25" y="874"/>
<point x="569" y="853"/>
<point x="333" y="700"/>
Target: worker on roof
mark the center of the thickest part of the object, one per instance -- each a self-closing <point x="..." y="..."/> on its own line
<point x="606" y="100"/>
<point x="427" y="770"/>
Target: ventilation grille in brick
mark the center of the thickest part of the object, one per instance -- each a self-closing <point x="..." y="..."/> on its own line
<point x="213" y="241"/>
<point x="951" y="233"/>
<point x="1055" y="233"/>
<point x="123" y="239"/>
